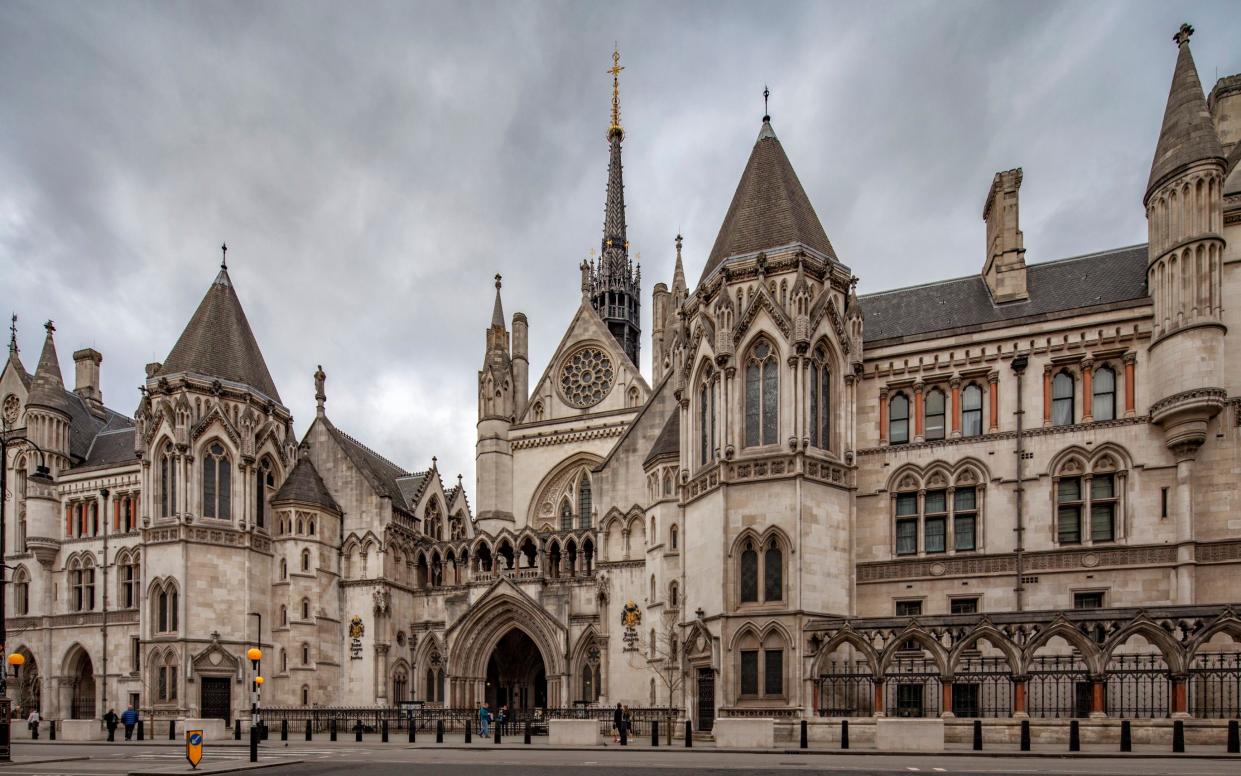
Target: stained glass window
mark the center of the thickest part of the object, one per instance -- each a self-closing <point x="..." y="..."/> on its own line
<point x="749" y="574"/>
<point x="749" y="672"/>
<point x="773" y="573"/>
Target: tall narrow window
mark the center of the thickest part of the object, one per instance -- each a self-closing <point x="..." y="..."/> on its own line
<point x="1062" y="400"/>
<point x="749" y="574"/>
<point x="75" y="582"/>
<point x="761" y="401"/>
<point x="773" y="672"/>
<point x="167" y="482"/>
<point x="88" y="585"/>
<point x="971" y="411"/>
<point x="965" y="519"/>
<point x="898" y="419"/>
<point x="935" y="414"/>
<point x="162" y="611"/>
<point x="935" y="521"/>
<point x="1102" y="508"/>
<point x="749" y="672"/>
<point x="1103" y="400"/>
<point x="1069" y="510"/>
<point x="217" y="489"/>
<point x="820" y="400"/>
<point x="21" y="592"/>
<point x="704" y="446"/>
<point x="583" y="502"/>
<point x="566" y="516"/>
<point x="906" y="523"/>
<point x="773" y="572"/>
<point x="265" y="486"/>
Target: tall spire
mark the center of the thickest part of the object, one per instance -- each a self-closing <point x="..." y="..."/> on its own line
<point x="615" y="286"/>
<point x="497" y="312"/>
<point x="1188" y="134"/>
<point x="13" y="350"/>
<point x="48" y="387"/>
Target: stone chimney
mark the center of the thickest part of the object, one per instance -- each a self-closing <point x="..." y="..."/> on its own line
<point x="87" y="363"/>
<point x="1005" y="270"/>
<point x="1224" y="103"/>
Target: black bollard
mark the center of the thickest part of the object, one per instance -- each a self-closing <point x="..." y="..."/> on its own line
<point x="1234" y="736"/>
<point x="496" y="730"/>
<point x="237" y="729"/>
<point x="34" y="733"/>
<point x="1126" y="736"/>
<point x="1075" y="739"/>
<point x="51" y="730"/>
<point x="332" y="728"/>
<point x="254" y="743"/>
<point x="141" y="729"/>
<point x="624" y="734"/>
<point x="844" y="734"/>
<point x="1178" y="736"/>
<point x="384" y="732"/>
<point x="654" y="732"/>
<point x="172" y="730"/>
<point x="526" y="737"/>
<point x="805" y="735"/>
<point x="284" y="730"/>
<point x="468" y="735"/>
<point x="439" y="731"/>
<point x="413" y="735"/>
<point x="689" y="734"/>
<point x="978" y="735"/>
<point x="1025" y="735"/>
<point x="357" y="731"/>
<point x="309" y="733"/>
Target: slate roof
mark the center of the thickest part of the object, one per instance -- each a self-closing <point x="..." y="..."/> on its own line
<point x="305" y="486"/>
<point x="218" y="342"/>
<point x="1188" y="134"/>
<point x="382" y="474"/>
<point x="111" y="447"/>
<point x="15" y="361"/>
<point x="669" y="440"/>
<point x="770" y="208"/>
<point x="1116" y="277"/>
<point x="412" y="486"/>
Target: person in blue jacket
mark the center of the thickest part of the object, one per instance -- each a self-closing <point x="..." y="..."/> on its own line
<point x="129" y="718"/>
<point x="484" y="720"/>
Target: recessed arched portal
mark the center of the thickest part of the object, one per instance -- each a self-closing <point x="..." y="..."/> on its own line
<point x="82" y="683"/>
<point x="516" y="676"/>
<point x="29" y="694"/>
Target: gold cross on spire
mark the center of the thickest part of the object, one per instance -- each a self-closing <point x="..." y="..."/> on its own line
<point x="615" y="70"/>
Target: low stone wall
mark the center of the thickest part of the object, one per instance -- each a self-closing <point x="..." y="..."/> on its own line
<point x="573" y="732"/>
<point x="214" y="730"/>
<point x="744" y="733"/>
<point x="824" y="732"/>
<point x="78" y="730"/>
<point x="909" y="735"/>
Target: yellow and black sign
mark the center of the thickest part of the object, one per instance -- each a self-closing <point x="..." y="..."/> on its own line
<point x="194" y="747"/>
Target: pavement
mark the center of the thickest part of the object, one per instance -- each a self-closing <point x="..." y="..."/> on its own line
<point x="151" y="758"/>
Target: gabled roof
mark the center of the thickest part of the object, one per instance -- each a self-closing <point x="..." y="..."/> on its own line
<point x="1188" y="134"/>
<point x="669" y="440"/>
<point x="1116" y="277"/>
<point x="770" y="208"/>
<point x="382" y="474"/>
<point x="218" y="342"/>
<point x="305" y="486"/>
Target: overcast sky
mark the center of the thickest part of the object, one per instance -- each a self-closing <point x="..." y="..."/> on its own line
<point x="372" y="166"/>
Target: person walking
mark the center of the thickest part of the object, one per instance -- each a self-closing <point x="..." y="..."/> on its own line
<point x="110" y="721"/>
<point x="618" y="719"/>
<point x="129" y="718"/>
<point x="484" y="721"/>
<point x="626" y="720"/>
<point x="502" y="718"/>
<point x="32" y="722"/>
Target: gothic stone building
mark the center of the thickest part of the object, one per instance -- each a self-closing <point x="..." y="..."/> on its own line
<point x="1011" y="493"/>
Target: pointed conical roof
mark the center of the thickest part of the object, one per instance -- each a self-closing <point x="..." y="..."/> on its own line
<point x="1188" y="134"/>
<point x="217" y="342"/>
<point x="497" y="312"/>
<point x="769" y="208"/>
<point x="47" y="389"/>
<point x="305" y="486"/>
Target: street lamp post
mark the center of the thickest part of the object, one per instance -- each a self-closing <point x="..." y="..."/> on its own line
<point x="103" y="496"/>
<point x="42" y="476"/>
<point x="255" y="655"/>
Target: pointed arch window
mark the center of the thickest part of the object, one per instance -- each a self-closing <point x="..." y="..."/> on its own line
<point x="21" y="591"/>
<point x="584" y="505"/>
<point x="1103" y="398"/>
<point x="1062" y="390"/>
<point x="129" y="582"/>
<point x="708" y="391"/>
<point x="166" y="604"/>
<point x="971" y="410"/>
<point x="749" y="573"/>
<point x="673" y="536"/>
<point x="305" y="560"/>
<point x="265" y="486"/>
<point x="936" y="414"/>
<point x="167" y="481"/>
<point x="762" y="383"/>
<point x="898" y="419"/>
<point x="305" y="654"/>
<point x="305" y="608"/>
<point x="773" y="572"/>
<point x="217" y="485"/>
<point x="566" y="516"/>
<point x="820" y="400"/>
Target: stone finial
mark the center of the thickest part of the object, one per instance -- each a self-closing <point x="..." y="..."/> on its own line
<point x="320" y="394"/>
<point x="1183" y="34"/>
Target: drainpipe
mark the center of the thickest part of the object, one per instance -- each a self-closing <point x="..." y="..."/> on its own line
<point x="1019" y="367"/>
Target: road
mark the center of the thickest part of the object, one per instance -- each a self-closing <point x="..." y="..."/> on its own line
<point x="316" y="759"/>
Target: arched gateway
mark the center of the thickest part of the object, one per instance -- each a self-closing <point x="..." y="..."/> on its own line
<point x="507" y="650"/>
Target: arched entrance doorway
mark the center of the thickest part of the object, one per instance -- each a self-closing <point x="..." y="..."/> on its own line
<point x="29" y="692"/>
<point x="516" y="676"/>
<point x="82" y="701"/>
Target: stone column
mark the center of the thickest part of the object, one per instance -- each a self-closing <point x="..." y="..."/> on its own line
<point x="946" y="709"/>
<point x="956" y="406"/>
<point x="993" y="404"/>
<point x="1087" y="390"/>
<point x="883" y="416"/>
<point x="918" y="412"/>
<point x="878" y="710"/>
<point x="1179" y="704"/>
<point x="1130" y="388"/>
<point x="1019" y="697"/>
<point x="1047" y="395"/>
<point x="1096" y="697"/>
<point x="381" y="681"/>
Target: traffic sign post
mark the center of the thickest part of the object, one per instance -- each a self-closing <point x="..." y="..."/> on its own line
<point x="194" y="747"/>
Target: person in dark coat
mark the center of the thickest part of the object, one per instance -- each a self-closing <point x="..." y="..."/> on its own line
<point x="110" y="721"/>
<point x="618" y="719"/>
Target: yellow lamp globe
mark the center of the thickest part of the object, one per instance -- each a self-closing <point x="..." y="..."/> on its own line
<point x="258" y="680"/>
<point x="255" y="654"/>
<point x="17" y="660"/>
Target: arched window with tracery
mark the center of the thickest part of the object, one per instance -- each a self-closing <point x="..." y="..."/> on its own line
<point x="400" y="685"/>
<point x="566" y="516"/>
<point x="167" y="481"/>
<point x="708" y="393"/>
<point x="773" y="572"/>
<point x="749" y="573"/>
<point x="762" y="383"/>
<point x="820" y="400"/>
<point x="584" y="503"/>
<point x="434" y="520"/>
<point x="761" y="571"/>
<point x="217" y="485"/>
<point x="166" y="602"/>
<point x="21" y="591"/>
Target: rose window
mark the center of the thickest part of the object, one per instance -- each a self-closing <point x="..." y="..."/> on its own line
<point x="587" y="377"/>
<point x="11" y="405"/>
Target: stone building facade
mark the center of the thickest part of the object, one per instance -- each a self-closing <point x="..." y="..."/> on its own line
<point x="1011" y="493"/>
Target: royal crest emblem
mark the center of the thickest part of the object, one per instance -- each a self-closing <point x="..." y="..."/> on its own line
<point x="631" y="615"/>
<point x="356" y="628"/>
